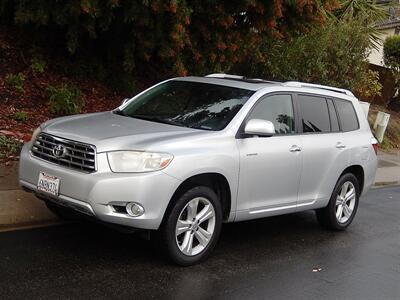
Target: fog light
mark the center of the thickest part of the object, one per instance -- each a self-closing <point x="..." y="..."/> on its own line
<point x="135" y="210"/>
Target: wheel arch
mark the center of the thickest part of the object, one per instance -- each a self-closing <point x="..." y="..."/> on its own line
<point x="216" y="181"/>
<point x="358" y="172"/>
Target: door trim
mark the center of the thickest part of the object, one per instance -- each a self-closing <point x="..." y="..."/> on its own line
<point x="264" y="210"/>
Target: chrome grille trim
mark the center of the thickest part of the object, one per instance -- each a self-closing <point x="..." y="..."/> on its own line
<point x="78" y="156"/>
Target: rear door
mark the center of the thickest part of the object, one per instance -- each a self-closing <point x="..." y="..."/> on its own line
<point x="324" y="156"/>
<point x="355" y="141"/>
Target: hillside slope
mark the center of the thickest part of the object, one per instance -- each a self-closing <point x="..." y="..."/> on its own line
<point x="26" y="73"/>
<point x="391" y="140"/>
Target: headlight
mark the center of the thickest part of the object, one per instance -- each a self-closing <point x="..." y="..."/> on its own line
<point x="137" y="161"/>
<point x="36" y="133"/>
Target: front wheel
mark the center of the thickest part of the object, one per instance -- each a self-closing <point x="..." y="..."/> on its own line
<point x="343" y="204"/>
<point x="192" y="226"/>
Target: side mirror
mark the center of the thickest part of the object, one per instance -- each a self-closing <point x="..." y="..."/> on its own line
<point x="259" y="127"/>
<point x="125" y="100"/>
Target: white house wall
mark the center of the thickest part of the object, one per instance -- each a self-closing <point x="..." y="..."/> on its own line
<point x="376" y="56"/>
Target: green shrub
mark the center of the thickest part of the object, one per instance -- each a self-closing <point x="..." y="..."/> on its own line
<point x="65" y="99"/>
<point x="9" y="146"/>
<point x="391" y="52"/>
<point x="391" y="57"/>
<point x="15" y="81"/>
<point x="38" y="65"/>
<point x="335" y="54"/>
<point x="20" y="116"/>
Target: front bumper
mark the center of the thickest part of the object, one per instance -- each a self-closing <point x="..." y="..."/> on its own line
<point x="94" y="193"/>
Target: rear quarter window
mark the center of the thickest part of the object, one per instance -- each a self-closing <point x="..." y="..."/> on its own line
<point x="347" y="115"/>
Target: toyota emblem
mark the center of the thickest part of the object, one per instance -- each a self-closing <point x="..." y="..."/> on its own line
<point x="59" y="151"/>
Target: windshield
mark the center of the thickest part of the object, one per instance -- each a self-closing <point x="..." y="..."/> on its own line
<point x="190" y="104"/>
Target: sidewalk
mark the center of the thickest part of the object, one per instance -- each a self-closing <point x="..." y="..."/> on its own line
<point x="19" y="209"/>
<point x="388" y="168"/>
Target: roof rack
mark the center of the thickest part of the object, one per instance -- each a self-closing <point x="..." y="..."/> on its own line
<point x="317" y="86"/>
<point x="287" y="83"/>
<point x="240" y="78"/>
<point x="226" y="76"/>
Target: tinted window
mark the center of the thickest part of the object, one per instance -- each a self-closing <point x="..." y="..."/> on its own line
<point x="189" y="104"/>
<point x="279" y="110"/>
<point x="333" y="116"/>
<point x="347" y="115"/>
<point x="315" y="115"/>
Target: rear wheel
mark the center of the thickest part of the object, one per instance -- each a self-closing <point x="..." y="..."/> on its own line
<point x="343" y="204"/>
<point x="192" y="227"/>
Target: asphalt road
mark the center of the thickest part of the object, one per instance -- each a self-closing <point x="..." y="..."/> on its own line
<point x="270" y="258"/>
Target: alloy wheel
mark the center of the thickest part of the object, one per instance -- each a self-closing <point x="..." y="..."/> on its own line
<point x="195" y="226"/>
<point x="345" y="202"/>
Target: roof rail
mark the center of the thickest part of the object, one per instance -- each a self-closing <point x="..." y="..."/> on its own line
<point x="317" y="86"/>
<point x="223" y="75"/>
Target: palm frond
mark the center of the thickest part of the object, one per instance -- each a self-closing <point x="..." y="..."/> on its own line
<point x="369" y="12"/>
<point x="365" y="9"/>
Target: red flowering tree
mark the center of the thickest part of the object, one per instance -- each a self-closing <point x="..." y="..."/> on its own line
<point x="161" y="38"/>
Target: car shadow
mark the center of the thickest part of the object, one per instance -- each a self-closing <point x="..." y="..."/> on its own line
<point x="263" y="237"/>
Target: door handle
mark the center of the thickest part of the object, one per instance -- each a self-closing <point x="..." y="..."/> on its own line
<point x="339" y="145"/>
<point x="295" y="148"/>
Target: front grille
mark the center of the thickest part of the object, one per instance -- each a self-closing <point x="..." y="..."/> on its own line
<point x="63" y="152"/>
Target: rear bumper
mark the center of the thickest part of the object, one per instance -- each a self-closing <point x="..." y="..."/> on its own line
<point x="93" y="193"/>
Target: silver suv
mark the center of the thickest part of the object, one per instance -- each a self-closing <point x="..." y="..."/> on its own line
<point x="190" y="153"/>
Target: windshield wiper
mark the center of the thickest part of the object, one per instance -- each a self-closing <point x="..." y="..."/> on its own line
<point x="201" y="127"/>
<point x="119" y="112"/>
<point x="156" y="119"/>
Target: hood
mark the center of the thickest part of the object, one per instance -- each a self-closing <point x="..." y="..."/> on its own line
<point x="109" y="131"/>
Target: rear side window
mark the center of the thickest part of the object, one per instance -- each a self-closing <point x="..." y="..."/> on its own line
<point x="333" y="116"/>
<point x="347" y="115"/>
<point x="277" y="109"/>
<point x="315" y="114"/>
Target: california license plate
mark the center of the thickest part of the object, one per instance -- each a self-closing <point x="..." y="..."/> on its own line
<point x="48" y="183"/>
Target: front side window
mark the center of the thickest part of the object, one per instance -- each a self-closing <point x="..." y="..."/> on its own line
<point x="189" y="104"/>
<point x="277" y="109"/>
<point x="315" y="115"/>
<point x="347" y="115"/>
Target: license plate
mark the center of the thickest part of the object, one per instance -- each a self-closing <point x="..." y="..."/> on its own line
<point x="48" y="183"/>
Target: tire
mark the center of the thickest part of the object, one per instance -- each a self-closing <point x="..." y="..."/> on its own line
<point x="194" y="243"/>
<point x="336" y="218"/>
<point x="62" y="212"/>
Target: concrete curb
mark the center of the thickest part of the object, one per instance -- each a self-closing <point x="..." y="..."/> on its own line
<point x="378" y="185"/>
<point x="7" y="228"/>
<point x="19" y="208"/>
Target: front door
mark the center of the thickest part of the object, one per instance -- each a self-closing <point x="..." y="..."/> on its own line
<point x="270" y="167"/>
